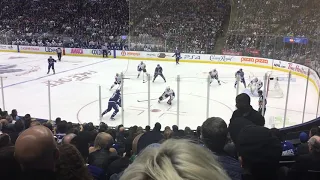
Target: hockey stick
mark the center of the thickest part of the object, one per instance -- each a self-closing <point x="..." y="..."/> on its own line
<point x="147" y="100"/>
<point x="223" y="82"/>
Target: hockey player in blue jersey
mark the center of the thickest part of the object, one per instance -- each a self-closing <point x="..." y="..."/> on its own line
<point x="158" y="72"/>
<point x="240" y="73"/>
<point x="51" y="62"/>
<point x="114" y="103"/>
<point x="178" y="55"/>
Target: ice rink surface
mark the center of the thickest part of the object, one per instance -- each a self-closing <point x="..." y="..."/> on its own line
<point x="75" y="91"/>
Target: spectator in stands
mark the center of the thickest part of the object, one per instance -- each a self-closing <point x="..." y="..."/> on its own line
<point x="35" y="123"/>
<point x="9" y="167"/>
<point x="71" y="165"/>
<point x="214" y="135"/>
<point x="157" y="127"/>
<point x="69" y="139"/>
<point x="259" y="153"/>
<point x="5" y="140"/>
<point x="175" y="160"/>
<point x="61" y="130"/>
<point x="303" y="148"/>
<point x="101" y="151"/>
<point x="27" y="121"/>
<point x="103" y="127"/>
<point x="307" y="162"/>
<point x="287" y="147"/>
<point x="48" y="125"/>
<point x="314" y="131"/>
<point x="148" y="128"/>
<point x="37" y="153"/>
<point x="14" y="115"/>
<point x="244" y="109"/>
<point x="188" y="132"/>
<point x="18" y="128"/>
<point x="167" y="134"/>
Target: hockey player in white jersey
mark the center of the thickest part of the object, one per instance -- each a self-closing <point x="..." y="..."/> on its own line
<point x="141" y="67"/>
<point x="116" y="81"/>
<point x="214" y="75"/>
<point x="167" y="93"/>
<point x="255" y="85"/>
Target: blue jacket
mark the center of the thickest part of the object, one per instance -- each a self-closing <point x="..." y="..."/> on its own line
<point x="230" y="165"/>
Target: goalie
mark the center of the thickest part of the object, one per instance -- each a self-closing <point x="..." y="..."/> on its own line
<point x="255" y="85"/>
<point x="167" y="93"/>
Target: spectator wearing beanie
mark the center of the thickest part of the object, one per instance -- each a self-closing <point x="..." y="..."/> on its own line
<point x="259" y="153"/>
<point x="307" y="162"/>
<point x="214" y="135"/>
<point x="303" y="148"/>
<point x="245" y="110"/>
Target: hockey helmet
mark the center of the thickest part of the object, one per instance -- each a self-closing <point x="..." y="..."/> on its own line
<point x="50" y="56"/>
<point x="117" y="74"/>
<point x="214" y="70"/>
<point x="260" y="92"/>
<point x="141" y="62"/>
<point x="256" y="79"/>
<point x="168" y="89"/>
<point x="240" y="69"/>
<point x="158" y="65"/>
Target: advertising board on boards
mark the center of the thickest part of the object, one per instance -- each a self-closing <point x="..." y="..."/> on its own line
<point x="221" y="58"/>
<point x="130" y="53"/>
<point x="76" y="51"/>
<point x="254" y="60"/>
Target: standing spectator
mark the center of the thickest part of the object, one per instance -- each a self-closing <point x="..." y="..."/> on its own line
<point x="259" y="153"/>
<point x="245" y="110"/>
<point x="214" y="135"/>
<point x="307" y="162"/>
<point x="37" y="153"/>
<point x="71" y="165"/>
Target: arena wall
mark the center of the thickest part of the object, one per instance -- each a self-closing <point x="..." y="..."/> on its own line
<point x="296" y="69"/>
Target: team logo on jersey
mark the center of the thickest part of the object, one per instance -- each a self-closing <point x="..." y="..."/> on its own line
<point x="9" y="69"/>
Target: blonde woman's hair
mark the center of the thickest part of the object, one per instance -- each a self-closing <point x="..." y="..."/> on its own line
<point x="175" y="160"/>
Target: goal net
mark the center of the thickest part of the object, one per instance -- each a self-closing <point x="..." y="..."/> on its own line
<point x="273" y="88"/>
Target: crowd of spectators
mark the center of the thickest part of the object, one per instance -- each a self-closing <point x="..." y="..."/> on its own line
<point x="190" y="25"/>
<point x="258" y="28"/>
<point x="71" y="23"/>
<point x="242" y="150"/>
